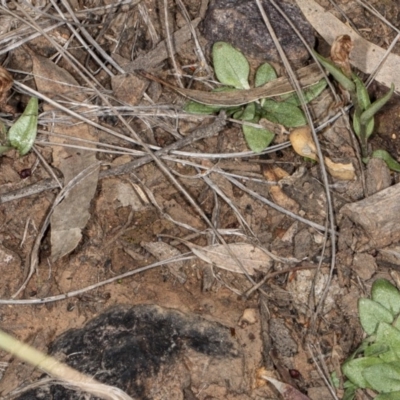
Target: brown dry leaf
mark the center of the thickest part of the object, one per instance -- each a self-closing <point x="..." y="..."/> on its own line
<point x="344" y="172"/>
<point x="288" y="392"/>
<point x="303" y="142"/>
<point x="276" y="192"/>
<point x="6" y="82"/>
<point x="128" y="88"/>
<point x="252" y="258"/>
<point x="163" y="251"/>
<point x="71" y="216"/>
<point x="340" y="52"/>
<point x="365" y="56"/>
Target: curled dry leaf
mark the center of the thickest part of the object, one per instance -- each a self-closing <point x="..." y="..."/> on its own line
<point x="366" y="56"/>
<point x="303" y="142"/>
<point x="340" y="171"/>
<point x="288" y="392"/>
<point x="340" y="51"/>
<point x="6" y="82"/>
<point x="252" y="258"/>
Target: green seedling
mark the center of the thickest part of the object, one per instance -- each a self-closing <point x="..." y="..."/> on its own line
<point x="376" y="363"/>
<point x="364" y="110"/>
<point x="232" y="70"/>
<point x="22" y="133"/>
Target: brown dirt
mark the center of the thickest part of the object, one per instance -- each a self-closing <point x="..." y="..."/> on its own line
<point x="123" y="217"/>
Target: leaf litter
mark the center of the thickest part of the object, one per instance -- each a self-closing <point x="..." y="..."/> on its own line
<point x="235" y="214"/>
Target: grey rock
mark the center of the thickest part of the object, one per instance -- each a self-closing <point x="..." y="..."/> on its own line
<point x="239" y="23"/>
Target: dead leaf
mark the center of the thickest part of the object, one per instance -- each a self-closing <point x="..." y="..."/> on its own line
<point x="252" y="258"/>
<point x="365" y="56"/>
<point x="288" y="392"/>
<point x="128" y="88"/>
<point x="163" y="251"/>
<point x="345" y="172"/>
<point x="340" y="52"/>
<point x="276" y="192"/>
<point x="70" y="216"/>
<point x="6" y="82"/>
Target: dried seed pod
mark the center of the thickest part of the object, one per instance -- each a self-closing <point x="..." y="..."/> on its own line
<point x="6" y="82"/>
<point x="340" y="51"/>
<point x="303" y="142"/>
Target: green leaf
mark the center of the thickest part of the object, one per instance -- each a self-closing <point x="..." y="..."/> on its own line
<point x="230" y="66"/>
<point x="389" y="336"/>
<point x="376" y="349"/>
<point x="309" y="94"/>
<point x="350" y="393"/>
<point x="197" y="108"/>
<point x="389" y="160"/>
<point x="336" y="73"/>
<point x="354" y="369"/>
<point x="265" y="73"/>
<point x="388" y="396"/>
<point x="376" y="106"/>
<point x="257" y="138"/>
<point x="371" y="314"/>
<point x="357" y="125"/>
<point x="386" y="294"/>
<point x="238" y="114"/>
<point x="335" y="380"/>
<point x="362" y="94"/>
<point x="249" y="112"/>
<point x="4" y="149"/>
<point x="23" y="133"/>
<point x="284" y="113"/>
<point x="383" y="377"/>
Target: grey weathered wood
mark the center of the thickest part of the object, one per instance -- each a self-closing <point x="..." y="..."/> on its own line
<point x="377" y="217"/>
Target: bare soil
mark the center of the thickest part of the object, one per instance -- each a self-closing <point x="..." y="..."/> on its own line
<point x="278" y="329"/>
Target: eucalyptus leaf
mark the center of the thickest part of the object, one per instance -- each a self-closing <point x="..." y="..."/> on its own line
<point x="389" y="160"/>
<point x="230" y="66"/>
<point x="384" y="377"/>
<point x="265" y="73"/>
<point x="257" y="138"/>
<point x="284" y="113"/>
<point x="386" y="294"/>
<point x="309" y="94"/>
<point x="22" y="134"/>
<point x="336" y="72"/>
<point x="376" y="106"/>
<point x="371" y="314"/>
<point x="354" y="369"/>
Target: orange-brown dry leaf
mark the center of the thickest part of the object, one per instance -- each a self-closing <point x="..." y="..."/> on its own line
<point x="278" y="196"/>
<point x="340" y="52"/>
<point x="6" y="82"/>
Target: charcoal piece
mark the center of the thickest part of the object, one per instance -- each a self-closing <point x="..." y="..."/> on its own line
<point x="239" y="23"/>
<point x="127" y="347"/>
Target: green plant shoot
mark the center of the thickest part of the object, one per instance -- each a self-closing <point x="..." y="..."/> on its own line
<point x="376" y="363"/>
<point x="22" y="133"/>
<point x="232" y="69"/>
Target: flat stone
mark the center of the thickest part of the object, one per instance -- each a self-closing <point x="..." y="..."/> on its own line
<point x="240" y="24"/>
